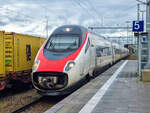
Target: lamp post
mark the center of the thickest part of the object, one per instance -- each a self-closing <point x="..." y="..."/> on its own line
<point x="127" y="31"/>
<point x="148" y="31"/>
<point x="147" y="3"/>
<point x="142" y="11"/>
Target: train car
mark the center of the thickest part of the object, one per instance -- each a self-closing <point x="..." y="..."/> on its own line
<point x="119" y="51"/>
<point x="70" y="55"/>
<point x="3" y="78"/>
<point x="18" y="52"/>
<point x="124" y="52"/>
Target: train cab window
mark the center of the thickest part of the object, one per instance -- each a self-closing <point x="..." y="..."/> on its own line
<point x="87" y="45"/>
<point x="63" y="43"/>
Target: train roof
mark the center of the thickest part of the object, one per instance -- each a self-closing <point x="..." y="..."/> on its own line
<point x="80" y="29"/>
<point x="76" y="29"/>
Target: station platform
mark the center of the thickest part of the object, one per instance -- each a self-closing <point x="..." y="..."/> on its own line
<point x="117" y="90"/>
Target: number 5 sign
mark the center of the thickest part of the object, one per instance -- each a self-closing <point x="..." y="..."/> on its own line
<point x="138" y="26"/>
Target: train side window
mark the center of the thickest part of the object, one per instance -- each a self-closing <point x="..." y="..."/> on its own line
<point x="87" y="45"/>
<point x="103" y="51"/>
<point x="28" y="52"/>
<point x="117" y="51"/>
<point x="99" y="51"/>
<point x="98" y="54"/>
<point x="109" y="51"/>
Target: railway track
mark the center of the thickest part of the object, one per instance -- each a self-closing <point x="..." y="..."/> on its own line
<point x="16" y="88"/>
<point x="12" y="101"/>
<point x="39" y="105"/>
<point x="26" y="106"/>
<point x="9" y="102"/>
<point x="29" y="102"/>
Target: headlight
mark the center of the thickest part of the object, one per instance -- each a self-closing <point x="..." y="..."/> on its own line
<point x="36" y="65"/>
<point x="70" y="65"/>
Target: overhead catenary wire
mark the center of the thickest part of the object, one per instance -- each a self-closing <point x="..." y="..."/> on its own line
<point x="85" y="10"/>
<point x="95" y="11"/>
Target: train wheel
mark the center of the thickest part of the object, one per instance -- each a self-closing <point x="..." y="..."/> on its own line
<point x="92" y="75"/>
<point x="110" y="65"/>
<point x="88" y="78"/>
<point x="2" y="85"/>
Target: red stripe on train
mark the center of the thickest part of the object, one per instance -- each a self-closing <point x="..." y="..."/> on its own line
<point x="57" y="65"/>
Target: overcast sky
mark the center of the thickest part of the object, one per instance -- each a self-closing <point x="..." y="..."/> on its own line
<point x="30" y="16"/>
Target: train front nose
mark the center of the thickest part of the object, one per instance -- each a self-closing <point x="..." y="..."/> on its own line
<point x="50" y="80"/>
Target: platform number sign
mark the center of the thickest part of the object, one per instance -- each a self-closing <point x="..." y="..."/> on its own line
<point x="138" y="26"/>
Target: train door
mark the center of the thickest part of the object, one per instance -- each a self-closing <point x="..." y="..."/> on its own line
<point x="92" y="55"/>
<point x="86" y="59"/>
<point x="113" y="53"/>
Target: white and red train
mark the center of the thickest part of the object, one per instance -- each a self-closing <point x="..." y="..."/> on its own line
<point x="69" y="55"/>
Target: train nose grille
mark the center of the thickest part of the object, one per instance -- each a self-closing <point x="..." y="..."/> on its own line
<point x="50" y="80"/>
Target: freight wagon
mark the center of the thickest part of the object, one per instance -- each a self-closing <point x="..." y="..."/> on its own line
<point x="17" y="53"/>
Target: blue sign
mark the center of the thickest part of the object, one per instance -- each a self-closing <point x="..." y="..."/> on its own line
<point x="138" y="26"/>
<point x="144" y="39"/>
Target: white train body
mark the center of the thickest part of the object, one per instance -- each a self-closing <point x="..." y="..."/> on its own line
<point x="69" y="55"/>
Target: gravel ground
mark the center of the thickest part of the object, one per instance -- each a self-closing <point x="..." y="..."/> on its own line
<point x="44" y="104"/>
<point x="11" y="103"/>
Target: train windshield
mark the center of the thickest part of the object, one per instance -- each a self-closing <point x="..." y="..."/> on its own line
<point x="63" y="43"/>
